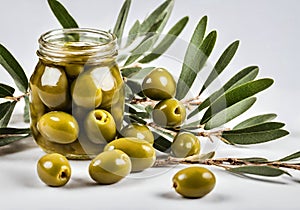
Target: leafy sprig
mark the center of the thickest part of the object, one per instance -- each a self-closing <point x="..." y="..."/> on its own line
<point x="145" y="44"/>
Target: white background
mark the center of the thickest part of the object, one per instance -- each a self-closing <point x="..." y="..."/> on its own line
<point x="269" y="33"/>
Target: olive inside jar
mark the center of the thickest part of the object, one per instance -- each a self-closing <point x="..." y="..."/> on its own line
<point x="76" y="83"/>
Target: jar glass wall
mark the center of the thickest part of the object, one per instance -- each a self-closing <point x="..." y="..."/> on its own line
<point x="77" y="92"/>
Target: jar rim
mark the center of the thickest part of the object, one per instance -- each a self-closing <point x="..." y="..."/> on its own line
<point x="56" y="44"/>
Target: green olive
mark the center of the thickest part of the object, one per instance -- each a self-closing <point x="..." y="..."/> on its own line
<point x="159" y="84"/>
<point x="194" y="182"/>
<point x="110" y="167"/>
<point x="73" y="70"/>
<point x="141" y="153"/>
<point x="169" y="113"/>
<point x="53" y="87"/>
<point x="110" y="81"/>
<point x="185" y="144"/>
<point x="58" y="127"/>
<point x="86" y="91"/>
<point x="54" y="169"/>
<point x="139" y="131"/>
<point x="100" y="126"/>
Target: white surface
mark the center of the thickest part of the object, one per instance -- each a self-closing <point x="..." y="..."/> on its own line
<point x="269" y="34"/>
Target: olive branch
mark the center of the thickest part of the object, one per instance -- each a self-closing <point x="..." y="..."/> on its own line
<point x="144" y="44"/>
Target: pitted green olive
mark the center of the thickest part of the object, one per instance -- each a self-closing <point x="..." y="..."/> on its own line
<point x="53" y="87"/>
<point x="86" y="91"/>
<point x="169" y="113"/>
<point x="159" y="84"/>
<point x="58" y="127"/>
<point x="110" y="167"/>
<point x="54" y="169"/>
<point x="185" y="144"/>
<point x="100" y="126"/>
<point x="194" y="182"/>
<point x="139" y="131"/>
<point x="141" y="153"/>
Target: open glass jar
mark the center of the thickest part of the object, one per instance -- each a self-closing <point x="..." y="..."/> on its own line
<point x="77" y="92"/>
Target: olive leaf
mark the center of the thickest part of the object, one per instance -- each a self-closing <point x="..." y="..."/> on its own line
<point x="133" y="33"/>
<point x="230" y="113"/>
<point x="162" y="140"/>
<point x="259" y="170"/>
<point x="127" y="72"/>
<point x="142" y="73"/>
<point x="121" y="20"/>
<point x="293" y="156"/>
<point x="12" y="66"/>
<point x="196" y="56"/>
<point x="254" y="137"/>
<point x="4" y="120"/>
<point x="6" y="90"/>
<point x="157" y="15"/>
<point x="10" y="135"/>
<point x="26" y="110"/>
<point x="167" y="41"/>
<point x="62" y="15"/>
<point x="255" y="120"/>
<point x="245" y="75"/>
<point x="235" y="95"/>
<point x="221" y="64"/>
<point x="254" y="160"/>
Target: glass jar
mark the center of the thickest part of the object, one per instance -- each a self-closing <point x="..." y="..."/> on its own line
<point x="76" y="75"/>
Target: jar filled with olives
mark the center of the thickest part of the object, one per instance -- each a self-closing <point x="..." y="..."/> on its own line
<point x="77" y="92"/>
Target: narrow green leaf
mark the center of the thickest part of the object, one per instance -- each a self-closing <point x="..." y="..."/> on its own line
<point x="206" y="156"/>
<point x="121" y="20"/>
<point x="166" y="42"/>
<point x="133" y="33"/>
<point x="4" y="108"/>
<point x="9" y="140"/>
<point x="6" y="90"/>
<point x="6" y="118"/>
<point x="235" y="95"/>
<point x="161" y="142"/>
<point x="26" y="110"/>
<point x="290" y="157"/>
<point x="255" y="120"/>
<point x="13" y="131"/>
<point x="258" y="127"/>
<point x="192" y="53"/>
<point x="155" y="16"/>
<point x="11" y="65"/>
<point x="62" y="15"/>
<point x="254" y="137"/>
<point x="141" y="49"/>
<point x="243" y="76"/>
<point x="229" y="113"/>
<point x="127" y="72"/>
<point x="259" y="170"/>
<point x="221" y="64"/>
<point x="134" y="86"/>
<point x="254" y="160"/>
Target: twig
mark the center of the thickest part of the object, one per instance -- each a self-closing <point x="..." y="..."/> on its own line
<point x="17" y="98"/>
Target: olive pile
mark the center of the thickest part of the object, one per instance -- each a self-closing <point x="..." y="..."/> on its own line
<point x="128" y="150"/>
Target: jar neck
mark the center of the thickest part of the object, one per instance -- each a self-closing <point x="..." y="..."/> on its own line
<point x="77" y="45"/>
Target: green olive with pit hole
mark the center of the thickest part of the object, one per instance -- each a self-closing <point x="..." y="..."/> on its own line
<point x="141" y="153"/>
<point x="159" y="84"/>
<point x="185" y="144"/>
<point x="53" y="87"/>
<point x="58" y="127"/>
<point x="169" y="113"/>
<point x="54" y="169"/>
<point x="139" y="131"/>
<point x="194" y="182"/>
<point x="110" y="167"/>
<point x="86" y="91"/>
<point x="100" y="126"/>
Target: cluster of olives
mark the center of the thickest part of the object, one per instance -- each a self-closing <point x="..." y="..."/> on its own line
<point x="76" y="108"/>
<point x="159" y="85"/>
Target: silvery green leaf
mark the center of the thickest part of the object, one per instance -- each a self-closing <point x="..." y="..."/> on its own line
<point x="121" y="20"/>
<point x="293" y="156"/>
<point x="255" y="120"/>
<point x="6" y="90"/>
<point x="5" y="118"/>
<point x="259" y="170"/>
